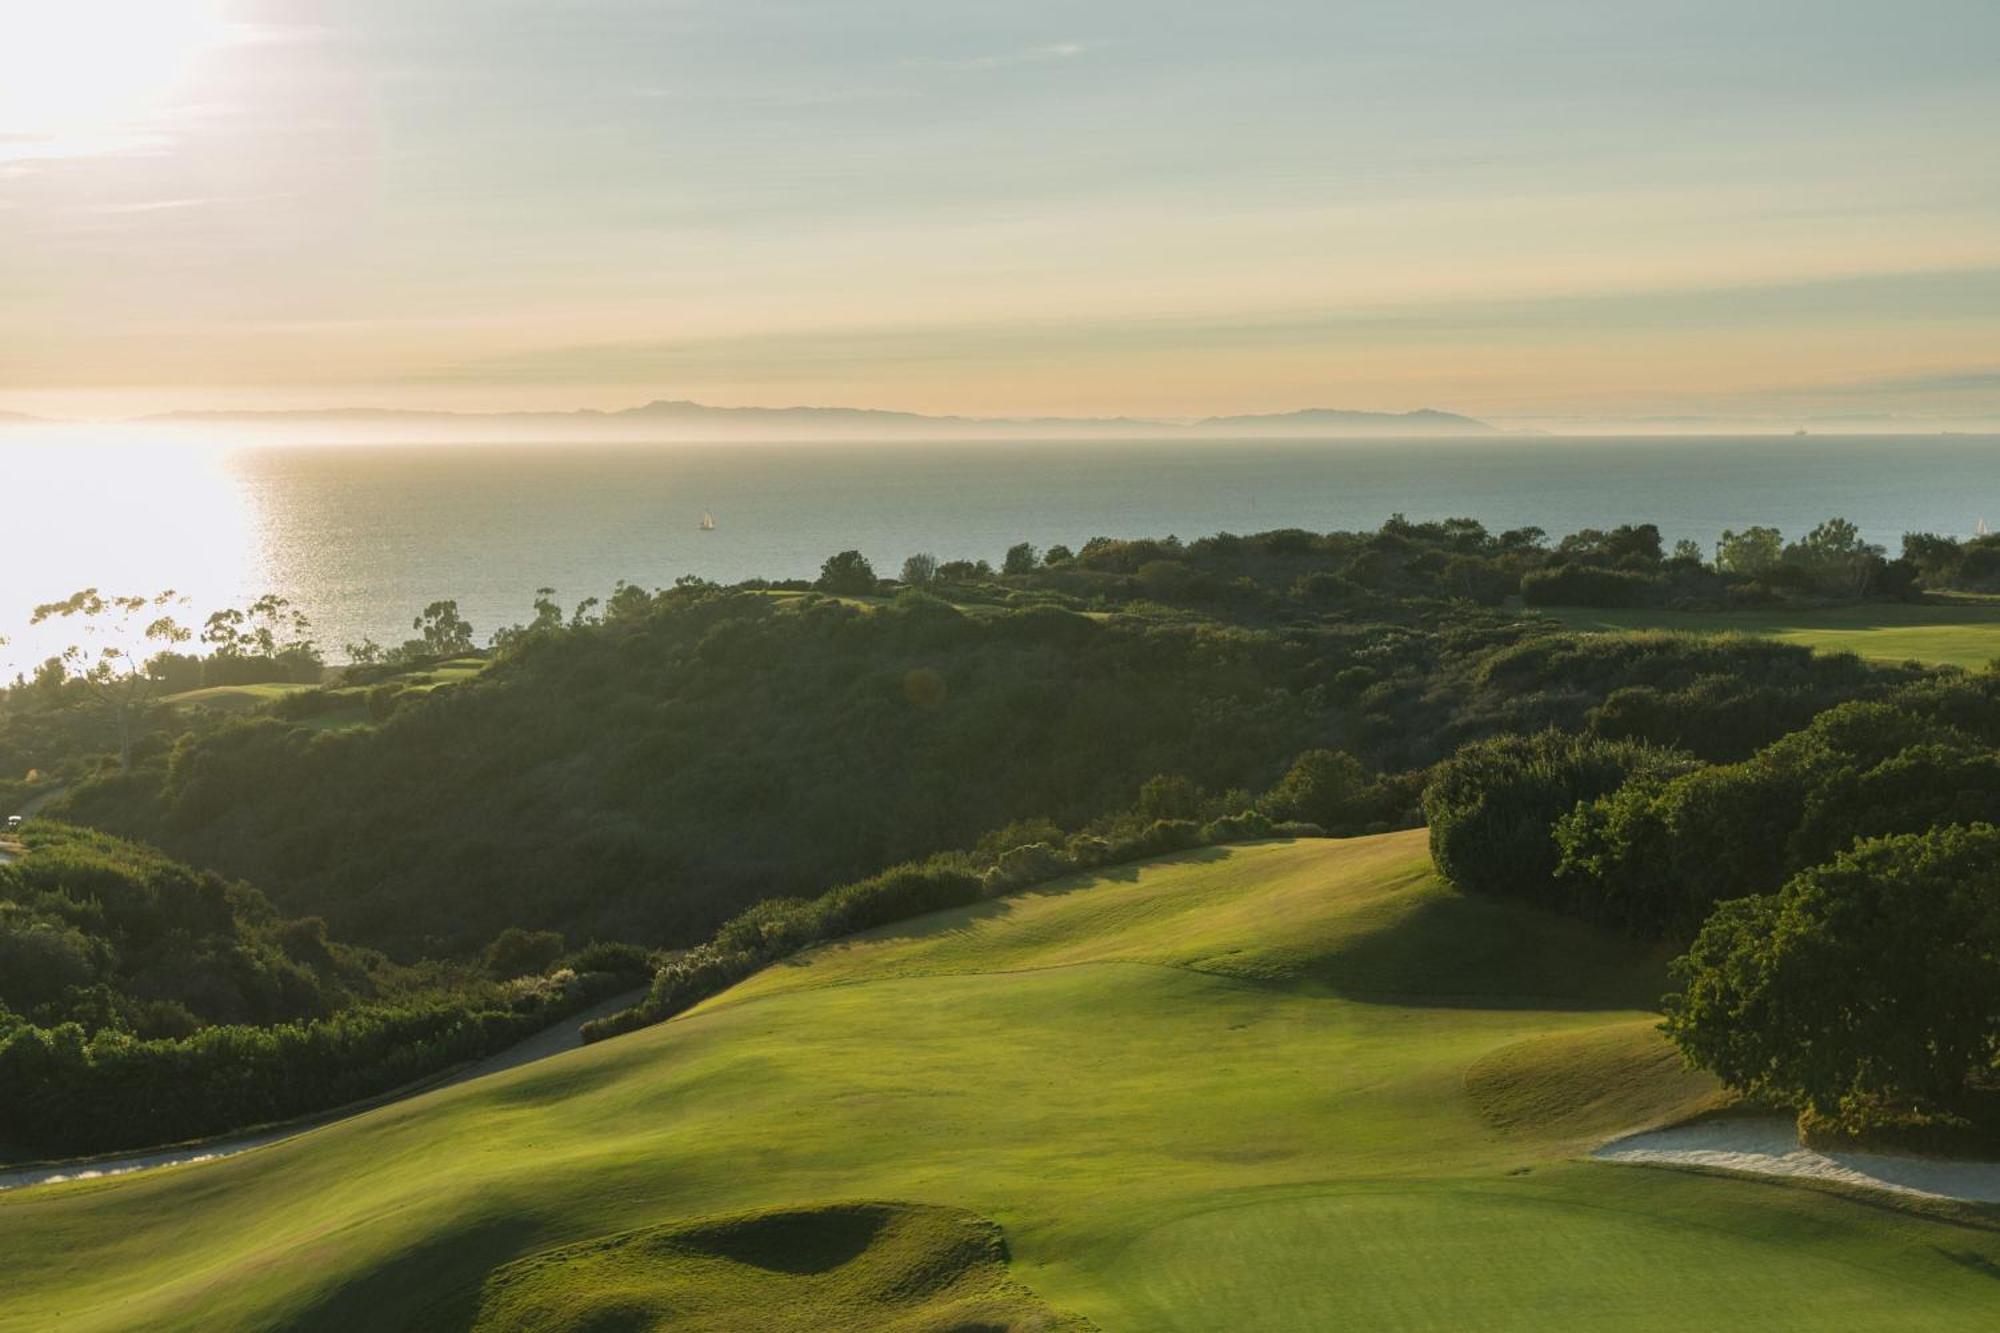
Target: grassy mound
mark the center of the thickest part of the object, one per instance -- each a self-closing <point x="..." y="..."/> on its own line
<point x="1277" y="1086"/>
<point x="1589" y="1086"/>
<point x="897" y="1268"/>
<point x="1373" y="925"/>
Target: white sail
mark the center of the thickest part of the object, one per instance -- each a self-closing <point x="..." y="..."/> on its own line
<point x="707" y="521"/>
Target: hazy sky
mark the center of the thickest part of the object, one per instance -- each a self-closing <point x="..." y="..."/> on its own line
<point x="1544" y="208"/>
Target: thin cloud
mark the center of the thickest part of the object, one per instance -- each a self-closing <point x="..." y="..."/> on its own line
<point x="1052" y="53"/>
<point x="1954" y="381"/>
<point x="177" y="205"/>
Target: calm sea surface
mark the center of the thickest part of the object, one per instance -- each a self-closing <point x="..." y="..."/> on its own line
<point x="363" y="537"/>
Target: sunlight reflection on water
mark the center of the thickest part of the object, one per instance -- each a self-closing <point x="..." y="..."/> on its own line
<point x="363" y="537"/>
<point x="123" y="517"/>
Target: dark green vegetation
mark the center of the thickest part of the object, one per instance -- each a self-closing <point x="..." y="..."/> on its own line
<point x="648" y="773"/>
<point x="1294" y="1085"/>
<point x="1865" y="986"/>
<point x="728" y="771"/>
<point x="141" y="1002"/>
<point x="1840" y="888"/>
<point x="97" y="930"/>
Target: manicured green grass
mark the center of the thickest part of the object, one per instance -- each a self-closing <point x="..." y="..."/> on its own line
<point x="1282" y="1086"/>
<point x="864" y="1267"/>
<point x="237" y="698"/>
<point x="354" y="709"/>
<point x="1957" y="633"/>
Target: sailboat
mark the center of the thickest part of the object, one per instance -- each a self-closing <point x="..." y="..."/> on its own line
<point x="1982" y="530"/>
<point x="707" y="521"/>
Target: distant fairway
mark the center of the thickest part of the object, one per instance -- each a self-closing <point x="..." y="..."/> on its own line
<point x="1956" y="633"/>
<point x="1281" y="1086"/>
<point x="352" y="707"/>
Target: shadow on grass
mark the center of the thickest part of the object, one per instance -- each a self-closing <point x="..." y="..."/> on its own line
<point x="1453" y="950"/>
<point x="456" y="1262"/>
<point x="1973" y="1260"/>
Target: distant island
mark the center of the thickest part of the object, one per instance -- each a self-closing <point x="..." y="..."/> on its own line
<point x="667" y="420"/>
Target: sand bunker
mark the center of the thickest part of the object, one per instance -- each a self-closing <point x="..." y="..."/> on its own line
<point x="1769" y="1146"/>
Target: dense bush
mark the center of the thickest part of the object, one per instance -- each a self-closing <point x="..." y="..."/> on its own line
<point x="108" y="933"/>
<point x="1657" y="854"/>
<point x="518" y="953"/>
<point x="1585" y="585"/>
<point x="70" y="1092"/>
<point x="1492" y="806"/>
<point x="648" y="774"/>
<point x="1867" y="985"/>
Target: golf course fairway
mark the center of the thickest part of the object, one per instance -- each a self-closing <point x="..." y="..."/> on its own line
<point x="1283" y="1085"/>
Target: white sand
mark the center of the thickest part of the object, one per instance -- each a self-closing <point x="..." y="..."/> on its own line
<point x="1769" y="1146"/>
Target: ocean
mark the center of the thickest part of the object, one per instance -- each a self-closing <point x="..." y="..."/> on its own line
<point x="361" y="538"/>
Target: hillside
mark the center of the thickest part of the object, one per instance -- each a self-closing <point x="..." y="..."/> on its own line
<point x="1290" y="1085"/>
<point x="648" y="776"/>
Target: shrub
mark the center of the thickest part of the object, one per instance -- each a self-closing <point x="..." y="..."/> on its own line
<point x="1492" y="806"/>
<point x="1237" y="828"/>
<point x="1654" y="856"/>
<point x="1158" y="838"/>
<point x="1322" y="786"/>
<point x="516" y="952"/>
<point x="1031" y="864"/>
<point x="610" y="957"/>
<point x="1586" y="585"/>
<point x="900" y="893"/>
<point x="847" y="573"/>
<point x="1869" y="982"/>
<point x="72" y="1092"/>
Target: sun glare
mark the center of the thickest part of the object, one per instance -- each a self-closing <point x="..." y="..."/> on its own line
<point x="84" y="76"/>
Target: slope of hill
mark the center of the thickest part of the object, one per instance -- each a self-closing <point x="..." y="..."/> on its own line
<point x="1284" y="1086"/>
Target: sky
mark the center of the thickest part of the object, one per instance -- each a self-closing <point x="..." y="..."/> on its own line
<point x="1556" y="211"/>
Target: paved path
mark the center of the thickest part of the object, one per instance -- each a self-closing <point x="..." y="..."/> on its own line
<point x="13" y="851"/>
<point x="564" y="1036"/>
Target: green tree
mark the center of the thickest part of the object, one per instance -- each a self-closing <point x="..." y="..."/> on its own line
<point x="1753" y="552"/>
<point x="269" y="627"/>
<point x="519" y="953"/>
<point x="1836" y="559"/>
<point x="1868" y="984"/>
<point x="111" y="673"/>
<point x="1169" y="796"/>
<point x="1324" y="787"/>
<point x="444" y="633"/>
<point x="628" y="601"/>
<point x="847" y="574"/>
<point x="1022" y="558"/>
<point x="920" y="570"/>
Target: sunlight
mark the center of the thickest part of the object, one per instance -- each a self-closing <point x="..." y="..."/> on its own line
<point x="177" y="519"/>
<point x="92" y="76"/>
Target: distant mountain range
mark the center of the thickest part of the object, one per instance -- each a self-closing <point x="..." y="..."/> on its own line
<point x="692" y="421"/>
